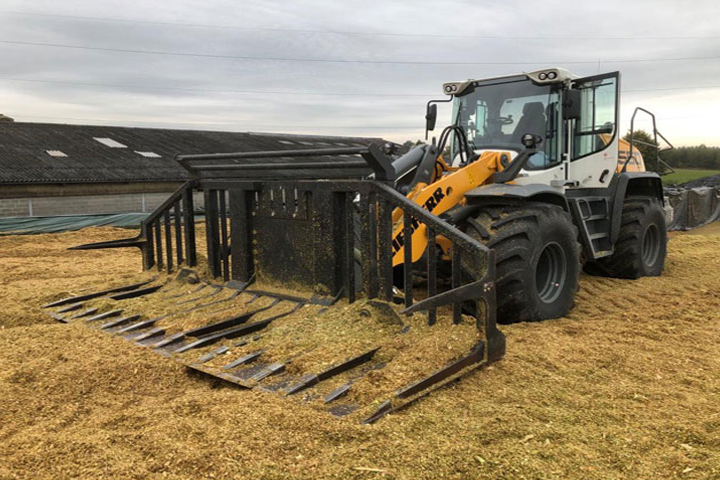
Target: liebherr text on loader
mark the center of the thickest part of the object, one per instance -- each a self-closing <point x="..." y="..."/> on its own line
<point x="529" y="183"/>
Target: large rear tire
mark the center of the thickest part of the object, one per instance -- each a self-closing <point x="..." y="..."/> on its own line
<point x="641" y="245"/>
<point x="537" y="259"/>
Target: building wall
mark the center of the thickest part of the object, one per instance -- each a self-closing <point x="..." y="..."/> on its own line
<point x="85" y="204"/>
<point x="14" y="207"/>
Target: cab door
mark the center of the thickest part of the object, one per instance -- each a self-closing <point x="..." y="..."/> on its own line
<point x="593" y="136"/>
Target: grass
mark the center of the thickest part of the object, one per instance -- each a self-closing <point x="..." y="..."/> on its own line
<point x="683" y="175"/>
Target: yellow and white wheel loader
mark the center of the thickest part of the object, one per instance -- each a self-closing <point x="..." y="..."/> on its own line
<point x="529" y="183"/>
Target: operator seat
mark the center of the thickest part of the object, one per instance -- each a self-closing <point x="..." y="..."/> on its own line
<point x="532" y="121"/>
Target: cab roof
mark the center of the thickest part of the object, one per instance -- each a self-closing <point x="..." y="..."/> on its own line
<point x="542" y="77"/>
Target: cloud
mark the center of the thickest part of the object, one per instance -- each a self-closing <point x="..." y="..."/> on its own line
<point x="143" y="101"/>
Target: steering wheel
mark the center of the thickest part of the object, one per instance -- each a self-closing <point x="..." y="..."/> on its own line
<point x="501" y="120"/>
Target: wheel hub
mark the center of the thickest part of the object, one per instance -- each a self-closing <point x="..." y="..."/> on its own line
<point x="651" y="245"/>
<point x="551" y="272"/>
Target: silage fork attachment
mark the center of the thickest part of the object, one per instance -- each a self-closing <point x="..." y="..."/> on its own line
<point x="283" y="235"/>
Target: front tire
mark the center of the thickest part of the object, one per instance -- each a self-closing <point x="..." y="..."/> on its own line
<point x="641" y="245"/>
<point x="537" y="259"/>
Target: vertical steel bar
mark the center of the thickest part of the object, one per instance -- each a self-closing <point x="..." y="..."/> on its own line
<point x="240" y="234"/>
<point x="374" y="287"/>
<point x="385" y="246"/>
<point x="189" y="219"/>
<point x="212" y="234"/>
<point x="456" y="271"/>
<point x="368" y="244"/>
<point x="431" y="273"/>
<point x="224" y="249"/>
<point x="407" y="262"/>
<point x="215" y="231"/>
<point x="168" y="239"/>
<point x="349" y="246"/>
<point x="158" y="244"/>
<point x="490" y="304"/>
<point x="208" y="228"/>
<point x="149" y="248"/>
<point x="178" y="232"/>
<point x="364" y="243"/>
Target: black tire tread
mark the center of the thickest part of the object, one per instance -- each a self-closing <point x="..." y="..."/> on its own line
<point x="626" y="261"/>
<point x="512" y="232"/>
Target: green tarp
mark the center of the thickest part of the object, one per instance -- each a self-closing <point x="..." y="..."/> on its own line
<point x="30" y="225"/>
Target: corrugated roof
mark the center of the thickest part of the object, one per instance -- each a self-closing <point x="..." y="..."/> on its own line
<point x="24" y="158"/>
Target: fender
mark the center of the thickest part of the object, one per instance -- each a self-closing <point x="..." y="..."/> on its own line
<point x="508" y="193"/>
<point x="632" y="183"/>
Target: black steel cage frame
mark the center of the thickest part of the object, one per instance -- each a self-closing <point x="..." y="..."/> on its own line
<point x="338" y="214"/>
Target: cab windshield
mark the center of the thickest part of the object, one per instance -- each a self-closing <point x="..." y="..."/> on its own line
<point x="496" y="115"/>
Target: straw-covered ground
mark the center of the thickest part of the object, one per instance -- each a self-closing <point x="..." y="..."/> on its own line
<point x="628" y="386"/>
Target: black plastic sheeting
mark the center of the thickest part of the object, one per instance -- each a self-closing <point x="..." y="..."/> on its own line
<point x="693" y="207"/>
<point x="31" y="225"/>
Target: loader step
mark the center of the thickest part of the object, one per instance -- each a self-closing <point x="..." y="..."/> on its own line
<point x="592" y="217"/>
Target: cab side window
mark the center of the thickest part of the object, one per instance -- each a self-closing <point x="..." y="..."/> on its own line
<point x="596" y="126"/>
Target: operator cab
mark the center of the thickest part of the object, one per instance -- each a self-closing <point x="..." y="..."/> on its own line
<point x="575" y="117"/>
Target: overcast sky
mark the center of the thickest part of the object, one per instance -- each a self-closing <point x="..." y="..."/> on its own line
<point x="204" y="84"/>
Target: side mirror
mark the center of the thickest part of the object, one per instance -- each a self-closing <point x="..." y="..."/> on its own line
<point x="531" y="141"/>
<point x="571" y="105"/>
<point x="431" y="117"/>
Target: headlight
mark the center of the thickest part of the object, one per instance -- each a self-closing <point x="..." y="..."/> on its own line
<point x="552" y="75"/>
<point x="451" y="88"/>
<point x="543" y="76"/>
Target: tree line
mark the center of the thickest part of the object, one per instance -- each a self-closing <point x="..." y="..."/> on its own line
<point x="700" y="156"/>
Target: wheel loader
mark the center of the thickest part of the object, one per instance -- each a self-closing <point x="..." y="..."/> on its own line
<point x="490" y="222"/>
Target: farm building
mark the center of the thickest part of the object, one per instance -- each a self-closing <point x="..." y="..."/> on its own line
<point x="55" y="169"/>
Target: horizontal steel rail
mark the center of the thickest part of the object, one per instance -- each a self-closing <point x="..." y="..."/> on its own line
<point x="272" y="166"/>
<point x="306" y="152"/>
<point x="372" y="155"/>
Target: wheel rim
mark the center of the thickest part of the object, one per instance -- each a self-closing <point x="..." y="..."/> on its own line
<point x="651" y="245"/>
<point x="551" y="272"/>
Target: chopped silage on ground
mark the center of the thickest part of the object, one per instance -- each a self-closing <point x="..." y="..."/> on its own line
<point x="627" y="386"/>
